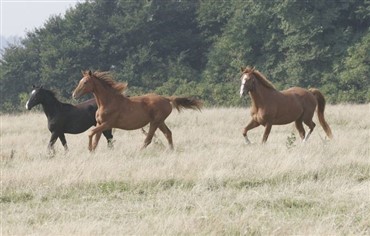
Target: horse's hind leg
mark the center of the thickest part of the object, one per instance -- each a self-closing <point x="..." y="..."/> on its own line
<point x="299" y="126"/>
<point x="152" y="128"/>
<point x="251" y="125"/>
<point x="266" y="133"/>
<point x="64" y="142"/>
<point x="167" y="133"/>
<point x="109" y="136"/>
<point x="310" y="125"/>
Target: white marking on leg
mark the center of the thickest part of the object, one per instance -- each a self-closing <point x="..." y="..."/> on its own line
<point x="247" y="140"/>
<point x="307" y="136"/>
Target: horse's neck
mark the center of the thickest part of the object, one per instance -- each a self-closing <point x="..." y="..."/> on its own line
<point x="51" y="105"/>
<point x="103" y="95"/>
<point x="260" y="95"/>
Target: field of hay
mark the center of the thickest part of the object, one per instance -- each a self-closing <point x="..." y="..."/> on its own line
<point x="212" y="183"/>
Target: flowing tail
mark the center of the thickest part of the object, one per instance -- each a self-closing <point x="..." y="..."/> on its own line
<point x="185" y="102"/>
<point x="320" y="111"/>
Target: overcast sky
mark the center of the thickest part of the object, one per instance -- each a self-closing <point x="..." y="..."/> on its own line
<point x="20" y="16"/>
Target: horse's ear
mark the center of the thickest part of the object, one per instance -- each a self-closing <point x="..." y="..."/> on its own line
<point x="83" y="72"/>
<point x="90" y="73"/>
<point x="242" y="69"/>
<point x="33" y="86"/>
<point x="253" y="69"/>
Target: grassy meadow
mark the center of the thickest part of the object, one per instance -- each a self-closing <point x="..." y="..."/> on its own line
<point x="212" y="183"/>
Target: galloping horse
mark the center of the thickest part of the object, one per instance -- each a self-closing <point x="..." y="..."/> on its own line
<point x="64" y="117"/>
<point x="129" y="113"/>
<point x="271" y="107"/>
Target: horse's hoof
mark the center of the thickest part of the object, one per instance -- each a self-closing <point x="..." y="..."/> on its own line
<point x="247" y="142"/>
<point x="110" y="143"/>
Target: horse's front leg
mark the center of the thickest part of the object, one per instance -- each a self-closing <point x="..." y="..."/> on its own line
<point x="91" y="135"/>
<point x="96" y="131"/>
<point x="153" y="126"/>
<point x="266" y="133"/>
<point x="53" y="139"/>
<point x="252" y="124"/>
<point x="96" y="140"/>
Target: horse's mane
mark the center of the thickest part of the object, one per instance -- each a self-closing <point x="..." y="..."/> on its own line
<point x="107" y="79"/>
<point x="260" y="77"/>
<point x="51" y="95"/>
<point x="47" y="91"/>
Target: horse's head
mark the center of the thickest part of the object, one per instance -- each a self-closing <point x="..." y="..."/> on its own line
<point x="247" y="80"/>
<point x="84" y="86"/>
<point x="36" y="97"/>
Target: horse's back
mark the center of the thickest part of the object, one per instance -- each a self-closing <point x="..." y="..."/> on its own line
<point x="153" y="101"/>
<point x="296" y="90"/>
<point x="304" y="96"/>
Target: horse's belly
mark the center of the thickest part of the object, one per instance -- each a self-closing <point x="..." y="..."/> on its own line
<point x="131" y="125"/>
<point x="287" y="117"/>
<point x="279" y="119"/>
<point x="283" y="122"/>
<point x="77" y="130"/>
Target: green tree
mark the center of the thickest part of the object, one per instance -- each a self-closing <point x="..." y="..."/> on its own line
<point x="196" y="48"/>
<point x="19" y="70"/>
<point x="355" y="75"/>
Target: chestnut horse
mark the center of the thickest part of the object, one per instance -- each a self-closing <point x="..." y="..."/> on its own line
<point x="129" y="113"/>
<point x="272" y="107"/>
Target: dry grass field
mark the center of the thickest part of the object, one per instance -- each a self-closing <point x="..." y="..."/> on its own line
<point x="212" y="183"/>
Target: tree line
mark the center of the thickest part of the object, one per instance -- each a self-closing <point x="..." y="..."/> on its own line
<point x="196" y="47"/>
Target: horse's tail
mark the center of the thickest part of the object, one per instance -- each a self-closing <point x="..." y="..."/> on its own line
<point x="185" y="102"/>
<point x="321" y="102"/>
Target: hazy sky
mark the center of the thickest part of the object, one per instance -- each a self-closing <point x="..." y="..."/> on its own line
<point x="20" y="16"/>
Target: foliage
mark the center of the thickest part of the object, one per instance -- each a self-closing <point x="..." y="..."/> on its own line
<point x="196" y="48"/>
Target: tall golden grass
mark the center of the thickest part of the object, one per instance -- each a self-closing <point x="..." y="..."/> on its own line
<point x="212" y="183"/>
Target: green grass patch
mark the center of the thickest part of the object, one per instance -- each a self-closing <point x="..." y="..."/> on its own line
<point x="16" y="197"/>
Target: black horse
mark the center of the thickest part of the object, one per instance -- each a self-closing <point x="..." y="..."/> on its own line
<point x="64" y="117"/>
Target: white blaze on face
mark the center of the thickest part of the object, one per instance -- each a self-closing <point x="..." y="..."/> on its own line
<point x="244" y="80"/>
<point x="80" y="85"/>
<point x="33" y="92"/>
